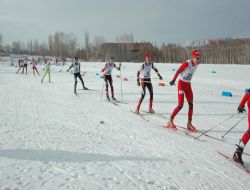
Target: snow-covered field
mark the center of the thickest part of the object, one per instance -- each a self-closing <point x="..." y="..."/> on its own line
<point x="52" y="139"/>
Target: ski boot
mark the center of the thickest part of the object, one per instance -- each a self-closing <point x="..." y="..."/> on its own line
<point x="237" y="157"/>
<point x="85" y="88"/>
<point x="137" y="111"/>
<point x="171" y="125"/>
<point x="113" y="98"/>
<point x="107" y="97"/>
<point x="191" y="128"/>
<point x="150" y="110"/>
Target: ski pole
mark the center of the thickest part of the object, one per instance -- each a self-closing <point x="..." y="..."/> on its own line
<point x="233" y="126"/>
<point x="223" y="121"/>
<point x="121" y="83"/>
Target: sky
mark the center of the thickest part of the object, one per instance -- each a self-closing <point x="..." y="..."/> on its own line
<point x="155" y="21"/>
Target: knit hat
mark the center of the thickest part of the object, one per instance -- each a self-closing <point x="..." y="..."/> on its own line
<point x="147" y="54"/>
<point x="195" y="53"/>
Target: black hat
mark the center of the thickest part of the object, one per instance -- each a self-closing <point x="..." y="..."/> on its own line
<point x="76" y="58"/>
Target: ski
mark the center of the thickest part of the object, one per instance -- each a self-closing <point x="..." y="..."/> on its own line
<point x="247" y="154"/>
<point x="209" y="136"/>
<point x="141" y="116"/>
<point x="156" y="114"/>
<point x="242" y="167"/>
<point x="112" y="102"/>
<point x="177" y="130"/>
<point x="87" y="89"/>
<point x="198" y="131"/>
<point x="120" y="102"/>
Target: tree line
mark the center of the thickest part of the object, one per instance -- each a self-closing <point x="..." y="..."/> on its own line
<point x="66" y="45"/>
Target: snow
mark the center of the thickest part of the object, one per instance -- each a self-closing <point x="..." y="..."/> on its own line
<point x="53" y="139"/>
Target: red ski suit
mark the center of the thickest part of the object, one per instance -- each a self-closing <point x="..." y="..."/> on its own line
<point x="246" y="98"/>
<point x="186" y="70"/>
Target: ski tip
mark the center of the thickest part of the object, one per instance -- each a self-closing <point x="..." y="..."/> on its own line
<point x="170" y="128"/>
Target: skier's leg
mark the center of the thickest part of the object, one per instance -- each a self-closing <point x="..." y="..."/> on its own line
<point x="33" y="69"/>
<point x="106" y="85"/>
<point x="23" y="69"/>
<point x="43" y="76"/>
<point x="111" y="87"/>
<point x="189" y="97"/>
<point x="18" y="69"/>
<point x="180" y="101"/>
<point x="143" y="93"/>
<point x="80" y="77"/>
<point x="49" y="75"/>
<point x="75" y="77"/>
<point x="150" y="89"/>
<point x="37" y="71"/>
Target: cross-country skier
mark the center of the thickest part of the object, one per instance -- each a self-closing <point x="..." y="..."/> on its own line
<point x="186" y="70"/>
<point x="20" y="63"/>
<point x="107" y="76"/>
<point x="245" y="138"/>
<point x="25" y="65"/>
<point x="47" y="69"/>
<point x="77" y="69"/>
<point x="34" y="63"/>
<point x="145" y="71"/>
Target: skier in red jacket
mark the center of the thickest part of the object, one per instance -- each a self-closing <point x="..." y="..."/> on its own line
<point x="186" y="70"/>
<point x="237" y="157"/>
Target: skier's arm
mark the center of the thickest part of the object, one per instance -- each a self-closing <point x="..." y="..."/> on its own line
<point x="241" y="107"/>
<point x="180" y="70"/>
<point x="105" y="67"/>
<point x="138" y="77"/>
<point x="118" y="68"/>
<point x="70" y="67"/>
<point x="157" y="72"/>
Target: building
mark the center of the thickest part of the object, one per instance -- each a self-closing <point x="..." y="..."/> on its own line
<point x="126" y="52"/>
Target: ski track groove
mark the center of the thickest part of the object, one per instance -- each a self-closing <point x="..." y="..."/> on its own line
<point x="180" y="152"/>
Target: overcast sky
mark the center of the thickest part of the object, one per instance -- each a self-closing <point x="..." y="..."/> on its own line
<point x="156" y="21"/>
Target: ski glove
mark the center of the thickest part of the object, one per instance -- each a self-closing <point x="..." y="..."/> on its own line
<point x="241" y="110"/>
<point x="138" y="82"/>
<point x="172" y="82"/>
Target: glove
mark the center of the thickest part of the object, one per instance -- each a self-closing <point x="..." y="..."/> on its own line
<point x="172" y="82"/>
<point x="241" y="110"/>
<point x="67" y="70"/>
<point x="138" y="82"/>
<point x="160" y="77"/>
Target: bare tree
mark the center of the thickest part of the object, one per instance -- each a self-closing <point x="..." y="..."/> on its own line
<point x="97" y="43"/>
<point x="87" y="48"/>
<point x="30" y="47"/>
